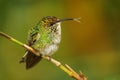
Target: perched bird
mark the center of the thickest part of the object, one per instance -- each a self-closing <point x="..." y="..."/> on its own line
<point x="44" y="37"/>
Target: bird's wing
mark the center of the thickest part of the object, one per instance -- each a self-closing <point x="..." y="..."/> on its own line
<point x="33" y="37"/>
<point x="29" y="58"/>
<point x="32" y="59"/>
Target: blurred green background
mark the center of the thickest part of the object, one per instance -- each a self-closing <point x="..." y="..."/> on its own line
<point x="92" y="46"/>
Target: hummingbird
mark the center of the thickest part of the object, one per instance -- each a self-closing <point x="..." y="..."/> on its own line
<point x="45" y="37"/>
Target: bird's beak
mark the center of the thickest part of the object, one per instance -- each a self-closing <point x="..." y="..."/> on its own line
<point x="67" y="19"/>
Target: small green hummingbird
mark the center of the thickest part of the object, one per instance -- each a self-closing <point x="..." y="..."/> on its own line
<point x="45" y="37"/>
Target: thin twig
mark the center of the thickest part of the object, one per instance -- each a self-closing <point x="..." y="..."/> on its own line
<point x="20" y="43"/>
<point x="74" y="73"/>
<point x="67" y="69"/>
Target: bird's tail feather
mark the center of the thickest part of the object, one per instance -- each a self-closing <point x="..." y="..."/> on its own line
<point x="31" y="59"/>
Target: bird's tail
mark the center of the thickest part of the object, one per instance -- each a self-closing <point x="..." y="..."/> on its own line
<point x="31" y="59"/>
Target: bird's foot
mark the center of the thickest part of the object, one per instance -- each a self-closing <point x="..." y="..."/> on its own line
<point x="49" y="58"/>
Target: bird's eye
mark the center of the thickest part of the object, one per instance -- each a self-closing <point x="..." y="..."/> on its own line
<point x="51" y="24"/>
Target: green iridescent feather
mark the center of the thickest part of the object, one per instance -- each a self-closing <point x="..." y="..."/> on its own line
<point x="39" y="36"/>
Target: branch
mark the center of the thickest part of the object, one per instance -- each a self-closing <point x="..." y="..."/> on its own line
<point x="67" y="69"/>
<point x="20" y="43"/>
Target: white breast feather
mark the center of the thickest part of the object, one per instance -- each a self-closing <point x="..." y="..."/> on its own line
<point x="52" y="48"/>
